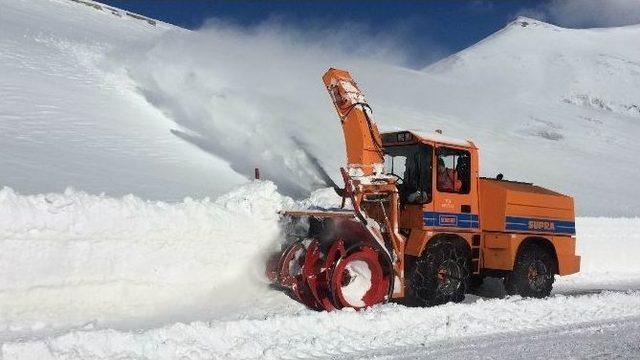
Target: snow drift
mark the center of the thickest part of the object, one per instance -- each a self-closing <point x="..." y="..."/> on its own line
<point x="72" y="259"/>
<point x="67" y="121"/>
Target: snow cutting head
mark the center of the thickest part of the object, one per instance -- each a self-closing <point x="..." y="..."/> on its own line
<point x="336" y="258"/>
<point x="330" y="261"/>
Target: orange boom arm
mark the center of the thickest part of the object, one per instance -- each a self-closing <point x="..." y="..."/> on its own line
<point x="361" y="135"/>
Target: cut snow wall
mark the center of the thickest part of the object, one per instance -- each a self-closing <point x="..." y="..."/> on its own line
<point x="73" y="258"/>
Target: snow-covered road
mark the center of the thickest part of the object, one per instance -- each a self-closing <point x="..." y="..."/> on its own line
<point x="601" y="340"/>
<point x="389" y="330"/>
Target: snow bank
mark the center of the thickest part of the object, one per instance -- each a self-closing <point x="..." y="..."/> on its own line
<point x="65" y="120"/>
<point x="73" y="258"/>
<point x="609" y="248"/>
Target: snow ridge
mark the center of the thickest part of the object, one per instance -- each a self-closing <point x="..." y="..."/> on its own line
<point x="73" y="258"/>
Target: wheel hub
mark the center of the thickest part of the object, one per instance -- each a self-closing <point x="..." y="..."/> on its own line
<point x="536" y="274"/>
<point x="449" y="277"/>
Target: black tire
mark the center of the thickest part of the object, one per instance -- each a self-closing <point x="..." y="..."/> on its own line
<point x="439" y="276"/>
<point x="533" y="273"/>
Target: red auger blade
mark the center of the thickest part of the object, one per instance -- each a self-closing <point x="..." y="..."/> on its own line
<point x="312" y="267"/>
<point x="331" y="279"/>
<point x="291" y="264"/>
<point x="358" y="279"/>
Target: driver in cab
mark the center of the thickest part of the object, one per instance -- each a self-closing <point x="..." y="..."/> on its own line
<point x="447" y="178"/>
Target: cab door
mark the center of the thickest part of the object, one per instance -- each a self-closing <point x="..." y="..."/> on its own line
<point x="416" y="187"/>
<point x="455" y="205"/>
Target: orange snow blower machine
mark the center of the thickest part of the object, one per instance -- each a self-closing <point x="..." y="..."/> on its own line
<point x="423" y="227"/>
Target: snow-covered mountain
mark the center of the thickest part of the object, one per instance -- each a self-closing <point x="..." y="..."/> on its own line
<point x="105" y="101"/>
<point x="114" y="104"/>
<point x="559" y="107"/>
<point x="67" y="121"/>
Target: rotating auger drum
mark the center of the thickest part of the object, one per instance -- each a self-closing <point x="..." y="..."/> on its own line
<point x="329" y="261"/>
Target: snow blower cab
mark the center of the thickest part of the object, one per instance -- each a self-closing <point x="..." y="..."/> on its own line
<point x="421" y="227"/>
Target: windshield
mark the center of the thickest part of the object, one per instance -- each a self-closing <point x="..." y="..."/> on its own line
<point x="411" y="166"/>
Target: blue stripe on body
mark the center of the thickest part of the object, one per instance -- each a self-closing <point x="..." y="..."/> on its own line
<point x="471" y="221"/>
<point x="523" y="224"/>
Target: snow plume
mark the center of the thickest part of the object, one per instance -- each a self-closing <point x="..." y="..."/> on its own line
<point x="254" y="97"/>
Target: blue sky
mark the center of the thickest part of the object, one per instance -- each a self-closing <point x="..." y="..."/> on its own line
<point x="426" y="30"/>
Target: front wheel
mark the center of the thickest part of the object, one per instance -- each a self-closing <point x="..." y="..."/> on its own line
<point x="441" y="275"/>
<point x="533" y="273"/>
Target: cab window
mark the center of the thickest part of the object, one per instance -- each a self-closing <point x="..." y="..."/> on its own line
<point x="453" y="170"/>
<point x="411" y="166"/>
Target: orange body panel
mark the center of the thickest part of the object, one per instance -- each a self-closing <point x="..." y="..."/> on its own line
<point x="502" y="199"/>
<point x="568" y="261"/>
<point x="504" y="213"/>
<point x="500" y="249"/>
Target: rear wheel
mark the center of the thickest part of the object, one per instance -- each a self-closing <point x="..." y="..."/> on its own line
<point x="441" y="275"/>
<point x="533" y="273"/>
